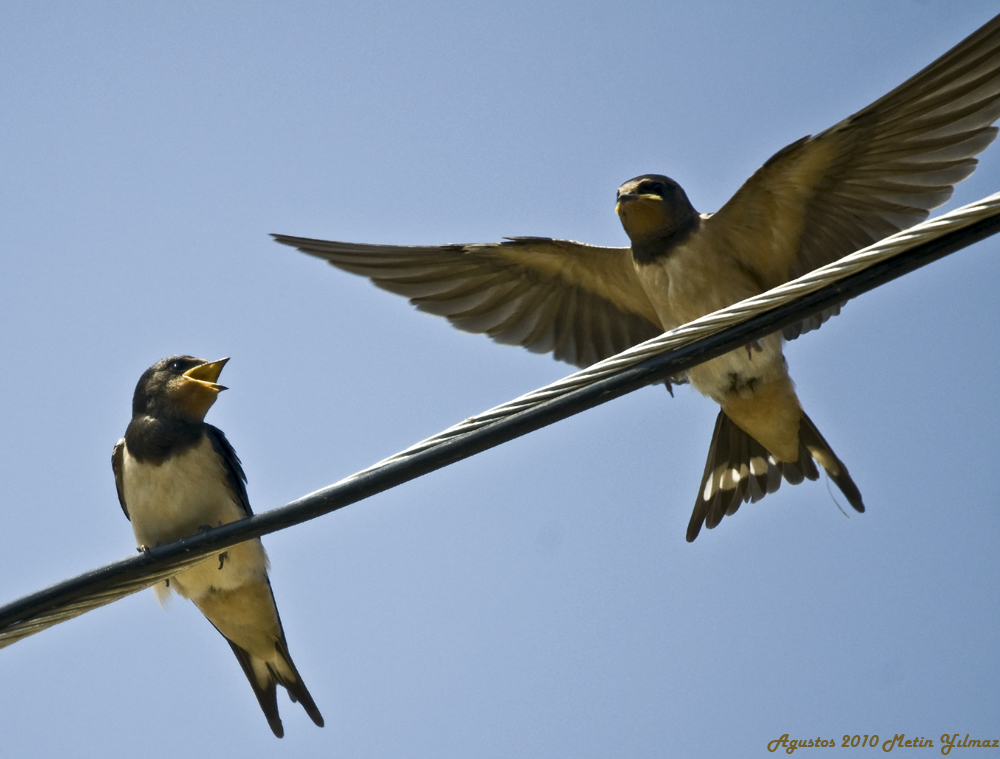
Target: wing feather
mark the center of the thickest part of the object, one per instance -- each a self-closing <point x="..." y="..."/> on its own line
<point x="876" y="172"/>
<point x="582" y="303"/>
<point x="117" y="466"/>
<point x="231" y="464"/>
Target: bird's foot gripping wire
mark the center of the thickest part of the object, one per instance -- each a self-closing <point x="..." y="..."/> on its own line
<point x="675" y="379"/>
<point x="754" y="346"/>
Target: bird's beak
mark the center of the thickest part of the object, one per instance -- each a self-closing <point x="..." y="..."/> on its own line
<point x="642" y="214"/>
<point x="628" y="197"/>
<point x="206" y="374"/>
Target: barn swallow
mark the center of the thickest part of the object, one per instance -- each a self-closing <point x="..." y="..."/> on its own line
<point x="816" y="200"/>
<point x="177" y="475"/>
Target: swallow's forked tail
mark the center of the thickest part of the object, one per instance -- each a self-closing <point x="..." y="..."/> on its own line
<point x="247" y="618"/>
<point x="264" y="678"/>
<point x="739" y="469"/>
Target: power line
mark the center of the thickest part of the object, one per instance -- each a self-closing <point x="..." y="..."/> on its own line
<point x="672" y="353"/>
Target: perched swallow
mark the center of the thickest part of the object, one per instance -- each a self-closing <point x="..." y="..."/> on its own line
<point x="818" y="199"/>
<point x="177" y="475"/>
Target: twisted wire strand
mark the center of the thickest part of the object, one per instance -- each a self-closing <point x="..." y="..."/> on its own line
<point x="11" y="634"/>
<point x="104" y="585"/>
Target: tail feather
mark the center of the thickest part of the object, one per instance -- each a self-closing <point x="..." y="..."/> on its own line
<point x="267" y="695"/>
<point x="796" y="472"/>
<point x="248" y="619"/>
<point x="739" y="469"/>
<point x="731" y="475"/>
<point x="823" y="453"/>
<point x="297" y="688"/>
<point x="266" y="691"/>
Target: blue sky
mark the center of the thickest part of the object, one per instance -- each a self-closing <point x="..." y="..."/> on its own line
<point x="538" y="599"/>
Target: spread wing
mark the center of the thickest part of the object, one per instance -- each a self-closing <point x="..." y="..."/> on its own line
<point x="877" y="172"/>
<point x="231" y="464"/>
<point x="117" y="457"/>
<point x="582" y="303"/>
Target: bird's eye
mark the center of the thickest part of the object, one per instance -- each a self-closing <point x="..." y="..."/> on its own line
<point x="176" y="365"/>
<point x="655" y="188"/>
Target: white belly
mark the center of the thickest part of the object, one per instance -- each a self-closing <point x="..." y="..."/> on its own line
<point x="694" y="281"/>
<point x="178" y="497"/>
